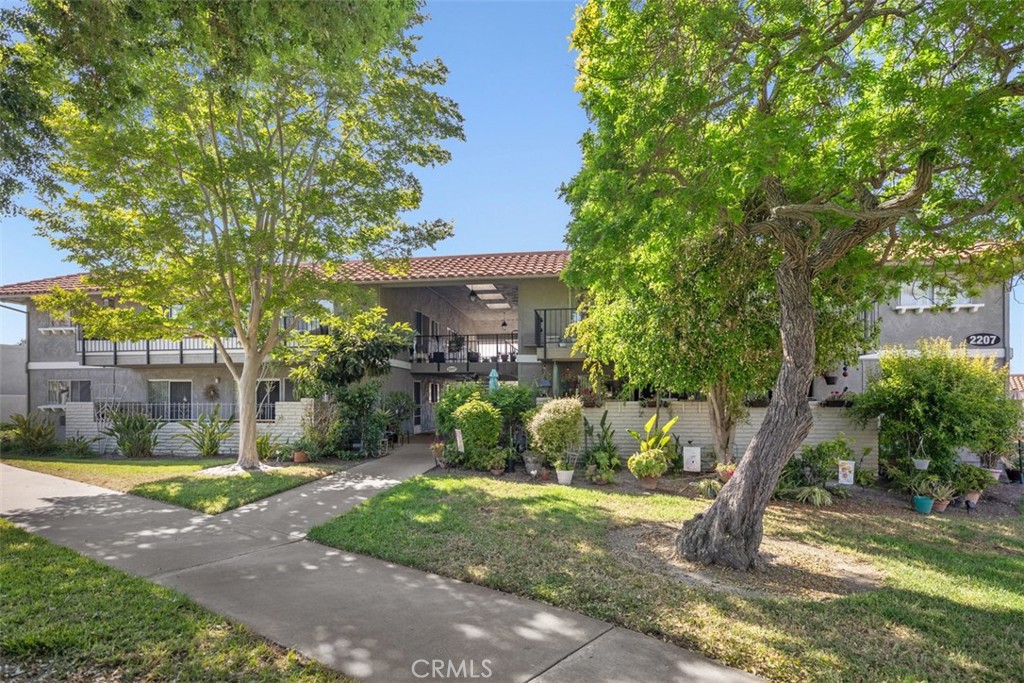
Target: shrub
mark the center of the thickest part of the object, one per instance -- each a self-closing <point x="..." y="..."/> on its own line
<point x="208" y="433"/>
<point x="400" y="407"/>
<point x="555" y="427"/>
<point x="648" y="463"/>
<point x="375" y="427"/>
<point x="452" y="398"/>
<point x="134" y="433"/>
<point x="78" y="447"/>
<point x="33" y="434"/>
<point x="480" y="423"/>
<point x="708" y="488"/>
<point x="967" y="478"/>
<point x="513" y="401"/>
<point x="268" y="447"/>
<point x="937" y="400"/>
<point x="814" y="465"/>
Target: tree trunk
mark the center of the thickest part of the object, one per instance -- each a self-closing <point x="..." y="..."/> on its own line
<point x="729" y="532"/>
<point x="248" y="458"/>
<point x="723" y="421"/>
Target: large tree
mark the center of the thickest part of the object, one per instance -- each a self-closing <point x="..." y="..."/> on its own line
<point x="255" y="146"/>
<point x="701" y="318"/>
<point x="843" y="136"/>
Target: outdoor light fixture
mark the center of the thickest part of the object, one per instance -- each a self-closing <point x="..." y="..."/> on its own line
<point x="472" y="295"/>
<point x="504" y="325"/>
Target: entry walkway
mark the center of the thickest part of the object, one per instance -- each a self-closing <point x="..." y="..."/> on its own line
<point x="373" y="620"/>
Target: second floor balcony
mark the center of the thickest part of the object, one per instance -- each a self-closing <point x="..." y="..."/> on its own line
<point x="187" y="351"/>
<point x="474" y="353"/>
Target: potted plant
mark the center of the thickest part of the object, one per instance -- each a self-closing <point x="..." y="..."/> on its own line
<point x="648" y="466"/>
<point x="830" y="379"/>
<point x="991" y="461"/>
<point x="942" y="493"/>
<point x="923" y="501"/>
<point x="473" y="356"/>
<point x="971" y="482"/>
<point x="650" y="462"/>
<point x="554" y="429"/>
<point x="725" y="470"/>
<point x="496" y="461"/>
<point x="565" y="466"/>
<point x="533" y="463"/>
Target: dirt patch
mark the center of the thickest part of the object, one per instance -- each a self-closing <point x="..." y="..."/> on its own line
<point x="789" y="569"/>
<point x="234" y="470"/>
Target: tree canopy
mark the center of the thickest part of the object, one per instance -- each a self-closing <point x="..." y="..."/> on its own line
<point x="870" y="140"/>
<point x="253" y="148"/>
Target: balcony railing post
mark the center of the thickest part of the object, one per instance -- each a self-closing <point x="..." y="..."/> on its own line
<point x="115" y="353"/>
<point x="181" y="352"/>
<point x="147" y="352"/>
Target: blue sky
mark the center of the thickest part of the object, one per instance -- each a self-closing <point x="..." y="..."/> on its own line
<point x="512" y="74"/>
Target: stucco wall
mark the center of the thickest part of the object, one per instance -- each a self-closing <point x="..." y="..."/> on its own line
<point x="13" y="380"/>
<point x="693" y="426"/>
<point x="403" y="302"/>
<point x="539" y="293"/>
<point x="287" y="426"/>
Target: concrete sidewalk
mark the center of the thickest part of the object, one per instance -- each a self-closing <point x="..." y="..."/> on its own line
<point x="371" y="619"/>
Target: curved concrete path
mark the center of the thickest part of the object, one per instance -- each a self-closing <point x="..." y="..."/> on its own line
<point x="370" y="619"/>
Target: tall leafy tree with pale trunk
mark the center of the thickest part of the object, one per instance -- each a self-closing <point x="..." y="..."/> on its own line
<point x="255" y="146"/>
<point x="842" y="136"/>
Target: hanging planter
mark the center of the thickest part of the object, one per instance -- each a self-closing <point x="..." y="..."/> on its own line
<point x="830" y="379"/>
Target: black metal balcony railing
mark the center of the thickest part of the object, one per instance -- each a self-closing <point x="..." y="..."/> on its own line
<point x="189" y="345"/>
<point x="465" y="348"/>
<point x="551" y="326"/>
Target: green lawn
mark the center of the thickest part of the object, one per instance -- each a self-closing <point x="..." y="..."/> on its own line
<point x="172" y="480"/>
<point x="951" y="606"/>
<point x="81" y="620"/>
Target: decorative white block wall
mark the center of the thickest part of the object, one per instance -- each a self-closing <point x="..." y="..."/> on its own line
<point x="693" y="426"/>
<point x="287" y="426"/>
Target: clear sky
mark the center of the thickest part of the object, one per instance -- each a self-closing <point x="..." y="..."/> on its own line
<point x="512" y="74"/>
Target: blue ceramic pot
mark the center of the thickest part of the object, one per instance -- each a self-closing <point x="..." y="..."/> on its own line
<point x="923" y="504"/>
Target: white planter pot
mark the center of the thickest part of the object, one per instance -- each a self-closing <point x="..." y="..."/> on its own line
<point x="564" y="477"/>
<point x="996" y="473"/>
<point x="921" y="464"/>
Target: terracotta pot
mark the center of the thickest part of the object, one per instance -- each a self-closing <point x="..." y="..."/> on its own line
<point x="726" y="475"/>
<point x="973" y="496"/>
<point x="545" y="474"/>
<point x="940" y="505"/>
<point x="497" y="471"/>
<point x="649" y="483"/>
<point x="300" y="456"/>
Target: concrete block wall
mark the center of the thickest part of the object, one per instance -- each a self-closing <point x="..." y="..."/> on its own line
<point x="287" y="426"/>
<point x="693" y="426"/>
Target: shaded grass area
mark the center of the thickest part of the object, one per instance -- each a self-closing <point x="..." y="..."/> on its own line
<point x="78" y="619"/>
<point x="951" y="606"/>
<point x="172" y="480"/>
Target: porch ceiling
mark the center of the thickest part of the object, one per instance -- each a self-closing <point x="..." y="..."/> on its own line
<point x="488" y="319"/>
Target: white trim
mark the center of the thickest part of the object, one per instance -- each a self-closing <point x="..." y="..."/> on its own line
<point x="952" y="308"/>
<point x="62" y="365"/>
<point x="401" y="364"/>
<point x="57" y="329"/>
<point x="527" y="358"/>
<point x="997" y="353"/>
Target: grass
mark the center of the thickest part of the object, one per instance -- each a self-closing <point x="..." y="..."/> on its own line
<point x="80" y="620"/>
<point x="951" y="606"/>
<point x="173" y="480"/>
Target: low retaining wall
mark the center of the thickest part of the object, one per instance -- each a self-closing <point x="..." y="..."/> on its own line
<point x="693" y="426"/>
<point x="286" y="426"/>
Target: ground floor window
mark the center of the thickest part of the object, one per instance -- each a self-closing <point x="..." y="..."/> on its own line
<point x="170" y="399"/>
<point x="268" y="393"/>
<point x="61" y="391"/>
<point x="435" y="392"/>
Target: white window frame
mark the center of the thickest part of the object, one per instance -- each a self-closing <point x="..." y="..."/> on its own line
<point x="916" y="298"/>
<point x="65" y="395"/>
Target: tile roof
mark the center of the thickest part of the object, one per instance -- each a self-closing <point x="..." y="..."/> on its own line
<point x="426" y="268"/>
<point x="33" y="287"/>
<point x="1017" y="384"/>
<point x="466" y="267"/>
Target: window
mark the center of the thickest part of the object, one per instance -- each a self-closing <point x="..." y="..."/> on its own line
<point x="435" y="392"/>
<point x="170" y="399"/>
<point x="268" y="393"/>
<point x="917" y="297"/>
<point x="58" y="320"/>
<point x="61" y="391"/>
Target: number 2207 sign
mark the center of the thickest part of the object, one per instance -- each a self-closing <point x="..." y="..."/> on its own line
<point x="983" y="339"/>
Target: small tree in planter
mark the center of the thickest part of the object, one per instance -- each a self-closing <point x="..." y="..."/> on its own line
<point x="555" y="428"/>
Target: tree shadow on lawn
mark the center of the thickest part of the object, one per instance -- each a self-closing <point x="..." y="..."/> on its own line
<point x="552" y="546"/>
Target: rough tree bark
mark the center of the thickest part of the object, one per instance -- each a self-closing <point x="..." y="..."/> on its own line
<point x="729" y="532"/>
